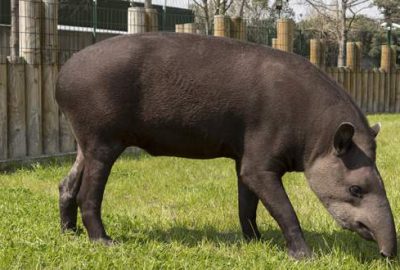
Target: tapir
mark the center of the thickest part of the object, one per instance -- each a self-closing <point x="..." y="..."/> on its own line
<point x="205" y="97"/>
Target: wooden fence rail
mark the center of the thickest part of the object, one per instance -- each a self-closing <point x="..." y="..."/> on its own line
<point x="31" y="124"/>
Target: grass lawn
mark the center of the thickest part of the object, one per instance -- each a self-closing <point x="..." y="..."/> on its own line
<point x="179" y="213"/>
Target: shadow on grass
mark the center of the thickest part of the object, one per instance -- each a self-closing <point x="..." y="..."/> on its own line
<point x="321" y="242"/>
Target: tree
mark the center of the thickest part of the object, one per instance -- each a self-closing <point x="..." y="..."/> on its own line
<point x="389" y="8"/>
<point x="339" y="15"/>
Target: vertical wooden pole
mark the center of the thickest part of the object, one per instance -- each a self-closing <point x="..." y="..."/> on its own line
<point x="398" y="91"/>
<point x="285" y="32"/>
<point x="151" y="20"/>
<point x="3" y="111"/>
<point x="359" y="54"/>
<point x="50" y="110"/>
<point x="386" y="58"/>
<point x="14" y="36"/>
<point x="67" y="140"/>
<point x="237" y="28"/>
<point x="382" y="85"/>
<point x="370" y="90"/>
<point x="179" y="28"/>
<point x="136" y="20"/>
<point x="16" y="111"/>
<point x="189" y="28"/>
<point x="376" y="90"/>
<point x="29" y="27"/>
<point x="315" y="51"/>
<point x="33" y="109"/>
<point x="221" y="26"/>
<point x="351" y="61"/>
<point x="275" y="43"/>
<point x="50" y="32"/>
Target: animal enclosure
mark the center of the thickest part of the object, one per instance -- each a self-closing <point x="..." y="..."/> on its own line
<point x="31" y="124"/>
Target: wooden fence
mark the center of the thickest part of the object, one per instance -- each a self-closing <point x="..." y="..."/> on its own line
<point x="375" y="91"/>
<point x="31" y="124"/>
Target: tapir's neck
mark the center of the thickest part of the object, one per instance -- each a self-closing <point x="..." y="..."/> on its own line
<point x="319" y="140"/>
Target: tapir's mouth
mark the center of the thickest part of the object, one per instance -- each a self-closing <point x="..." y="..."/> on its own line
<point x="364" y="231"/>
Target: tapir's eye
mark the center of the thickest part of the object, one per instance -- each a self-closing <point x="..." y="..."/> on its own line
<point x="356" y="191"/>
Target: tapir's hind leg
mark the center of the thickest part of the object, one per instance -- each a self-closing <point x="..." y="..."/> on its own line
<point x="69" y="188"/>
<point x="99" y="159"/>
<point x="248" y="202"/>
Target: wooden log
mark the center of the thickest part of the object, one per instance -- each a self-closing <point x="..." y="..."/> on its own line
<point x="357" y="87"/>
<point x="392" y="98"/>
<point x="238" y="28"/>
<point x="363" y="77"/>
<point x="29" y="27"/>
<point x="33" y="110"/>
<point x="285" y="31"/>
<point x="179" y="28"/>
<point x="275" y="43"/>
<point x="382" y="85"/>
<point x="189" y="28"/>
<point x="50" y="32"/>
<point x="136" y="20"/>
<point x="67" y="141"/>
<point x="359" y="53"/>
<point x="50" y="110"/>
<point x="351" y="61"/>
<point x="398" y="91"/>
<point x="376" y="88"/>
<point x="3" y="112"/>
<point x="151" y="20"/>
<point x="221" y="26"/>
<point x="370" y="90"/>
<point x="386" y="64"/>
<point x="315" y="51"/>
<point x="16" y="111"/>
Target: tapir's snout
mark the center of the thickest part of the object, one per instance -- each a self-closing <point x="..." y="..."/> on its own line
<point x="377" y="224"/>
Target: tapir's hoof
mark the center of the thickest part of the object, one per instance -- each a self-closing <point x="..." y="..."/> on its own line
<point x="300" y="254"/>
<point x="107" y="241"/>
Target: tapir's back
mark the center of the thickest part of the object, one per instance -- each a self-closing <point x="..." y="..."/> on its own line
<point x="186" y="95"/>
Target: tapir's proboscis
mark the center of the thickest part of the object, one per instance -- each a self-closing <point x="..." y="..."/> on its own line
<point x="205" y="97"/>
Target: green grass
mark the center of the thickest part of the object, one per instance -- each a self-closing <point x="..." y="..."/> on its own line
<point x="173" y="213"/>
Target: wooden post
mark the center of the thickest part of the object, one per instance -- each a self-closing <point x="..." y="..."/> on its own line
<point x="50" y="110"/>
<point x="221" y="26"/>
<point x="386" y="58"/>
<point x="274" y="43"/>
<point x="351" y="55"/>
<point x="29" y="27"/>
<point x="359" y="50"/>
<point x="67" y="141"/>
<point x="398" y="91"/>
<point x="3" y="112"/>
<point x="179" y="28"/>
<point x="33" y="109"/>
<point x="285" y="31"/>
<point x="189" y="28"/>
<point x="16" y="111"/>
<point x="393" y="53"/>
<point x="136" y="20"/>
<point x="151" y="20"/>
<point x="315" y="51"/>
<point x="237" y="28"/>
<point x="14" y="35"/>
<point x="50" y="32"/>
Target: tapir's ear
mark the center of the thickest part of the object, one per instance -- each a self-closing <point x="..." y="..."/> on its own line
<point x="343" y="138"/>
<point x="376" y="128"/>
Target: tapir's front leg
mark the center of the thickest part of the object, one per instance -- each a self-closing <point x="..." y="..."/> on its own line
<point x="268" y="187"/>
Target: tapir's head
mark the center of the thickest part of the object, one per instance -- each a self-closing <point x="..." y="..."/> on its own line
<point x="347" y="181"/>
